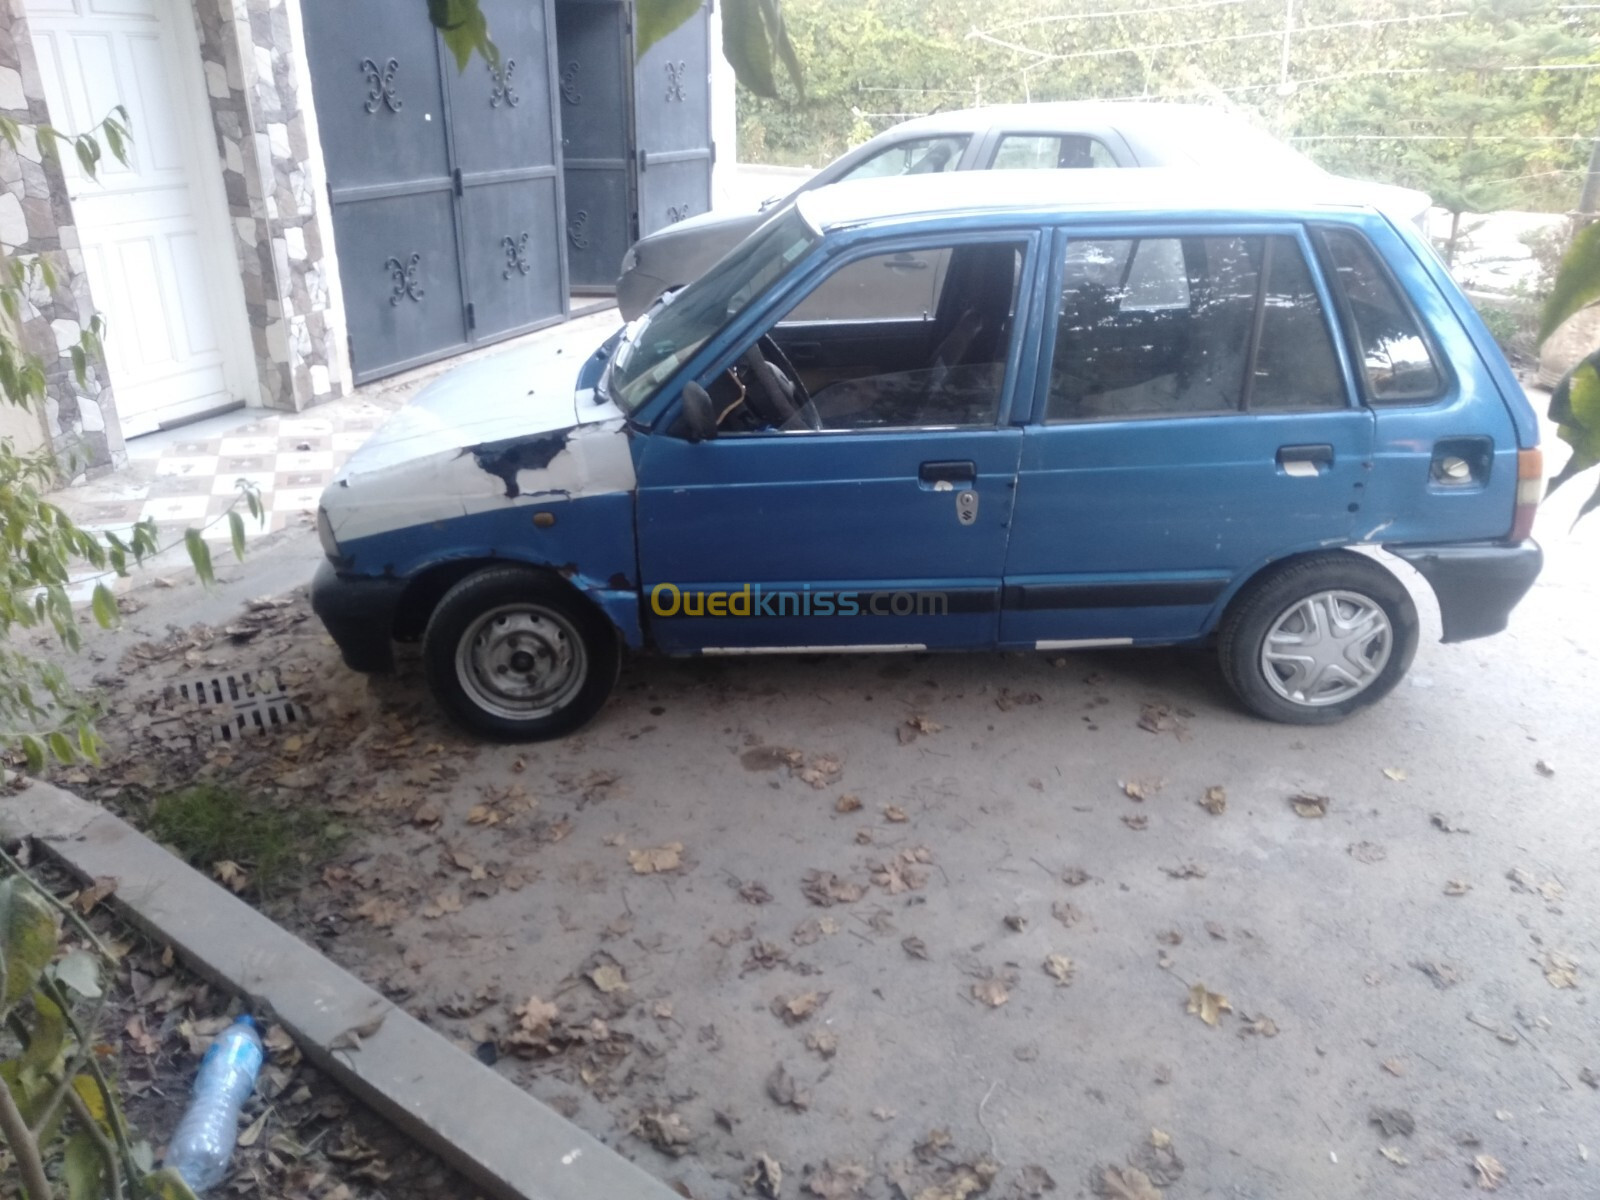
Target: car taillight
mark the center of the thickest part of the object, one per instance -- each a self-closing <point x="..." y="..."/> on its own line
<point x="1530" y="490"/>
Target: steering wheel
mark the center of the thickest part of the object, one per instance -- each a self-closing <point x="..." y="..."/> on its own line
<point x="779" y="394"/>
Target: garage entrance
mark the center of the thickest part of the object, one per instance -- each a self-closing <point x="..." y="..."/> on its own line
<point x="445" y="185"/>
<point x="636" y="136"/>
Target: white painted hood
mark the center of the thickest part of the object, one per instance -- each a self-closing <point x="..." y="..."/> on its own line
<point x="528" y="390"/>
<point x="453" y="451"/>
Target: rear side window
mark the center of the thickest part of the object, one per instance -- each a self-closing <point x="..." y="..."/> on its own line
<point x="1051" y="152"/>
<point x="1395" y="358"/>
<point x="1184" y="326"/>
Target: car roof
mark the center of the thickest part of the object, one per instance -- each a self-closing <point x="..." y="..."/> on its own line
<point x="1065" y="114"/>
<point x="1135" y="191"/>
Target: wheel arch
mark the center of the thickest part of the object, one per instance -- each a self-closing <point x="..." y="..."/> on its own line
<point x="1242" y="586"/>
<point x="428" y="586"/>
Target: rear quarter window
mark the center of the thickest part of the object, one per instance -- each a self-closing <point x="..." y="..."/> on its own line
<point x="1397" y="360"/>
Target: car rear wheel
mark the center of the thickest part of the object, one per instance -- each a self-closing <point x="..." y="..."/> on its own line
<point x="516" y="657"/>
<point x="1318" y="638"/>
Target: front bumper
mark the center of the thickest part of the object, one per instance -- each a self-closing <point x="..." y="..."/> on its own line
<point x="358" y="612"/>
<point x="1477" y="583"/>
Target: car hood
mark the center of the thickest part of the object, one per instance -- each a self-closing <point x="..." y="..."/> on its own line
<point x="696" y="243"/>
<point x="511" y="429"/>
<point x="516" y="393"/>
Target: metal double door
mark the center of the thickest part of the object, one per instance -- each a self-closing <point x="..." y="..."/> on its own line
<point x="636" y="132"/>
<point x="445" y="185"/>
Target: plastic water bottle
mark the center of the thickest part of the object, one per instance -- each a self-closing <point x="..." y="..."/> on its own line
<point x="203" y="1145"/>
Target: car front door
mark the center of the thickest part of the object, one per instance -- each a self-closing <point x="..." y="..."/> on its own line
<point x="878" y="520"/>
<point x="1197" y="420"/>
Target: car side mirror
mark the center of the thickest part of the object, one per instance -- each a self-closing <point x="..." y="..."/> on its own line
<point x="699" y="417"/>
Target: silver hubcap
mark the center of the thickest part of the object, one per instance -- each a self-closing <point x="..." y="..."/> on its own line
<point x="1326" y="648"/>
<point x="521" y="661"/>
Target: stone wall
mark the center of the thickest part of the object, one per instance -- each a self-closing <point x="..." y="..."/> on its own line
<point x="260" y="111"/>
<point x="36" y="220"/>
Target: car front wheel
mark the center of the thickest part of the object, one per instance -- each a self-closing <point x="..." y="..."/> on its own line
<point x="516" y="657"/>
<point x="1318" y="638"/>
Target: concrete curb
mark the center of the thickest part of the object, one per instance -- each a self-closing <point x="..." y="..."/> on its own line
<point x="495" y="1134"/>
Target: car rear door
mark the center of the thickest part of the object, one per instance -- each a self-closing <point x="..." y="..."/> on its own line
<point x="1195" y="419"/>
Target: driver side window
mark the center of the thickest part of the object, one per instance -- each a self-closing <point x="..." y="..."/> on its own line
<point x="942" y="369"/>
<point x="916" y="156"/>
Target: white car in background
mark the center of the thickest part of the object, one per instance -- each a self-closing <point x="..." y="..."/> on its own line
<point x="1021" y="137"/>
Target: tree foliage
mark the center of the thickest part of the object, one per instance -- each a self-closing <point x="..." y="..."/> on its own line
<point x="1433" y="96"/>
<point x="755" y="39"/>
<point x="59" y="1109"/>
<point x="1575" y="405"/>
<point x="41" y="713"/>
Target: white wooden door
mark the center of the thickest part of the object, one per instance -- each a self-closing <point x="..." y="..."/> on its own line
<point x="153" y="256"/>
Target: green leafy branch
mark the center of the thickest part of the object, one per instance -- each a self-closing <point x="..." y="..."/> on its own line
<point x="56" y="1100"/>
<point x="1575" y="405"/>
<point x="754" y="37"/>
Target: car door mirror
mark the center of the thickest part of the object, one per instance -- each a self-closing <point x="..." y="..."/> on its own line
<point x="699" y="419"/>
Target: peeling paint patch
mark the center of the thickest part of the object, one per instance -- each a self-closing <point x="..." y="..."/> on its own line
<point x="508" y="459"/>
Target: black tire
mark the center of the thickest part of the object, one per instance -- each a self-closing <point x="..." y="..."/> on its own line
<point x="516" y="656"/>
<point x="1273" y="596"/>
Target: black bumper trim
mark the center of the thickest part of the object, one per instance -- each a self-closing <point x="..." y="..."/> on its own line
<point x="358" y="612"/>
<point x="1477" y="583"/>
<point x="1155" y="593"/>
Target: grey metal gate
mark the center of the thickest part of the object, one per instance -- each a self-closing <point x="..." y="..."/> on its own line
<point x="672" y="125"/>
<point x="445" y="185"/>
<point x="593" y="40"/>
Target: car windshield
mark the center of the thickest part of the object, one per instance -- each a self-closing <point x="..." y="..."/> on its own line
<point x="667" y="336"/>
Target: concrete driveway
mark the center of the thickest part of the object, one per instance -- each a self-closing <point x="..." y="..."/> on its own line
<point x="811" y="909"/>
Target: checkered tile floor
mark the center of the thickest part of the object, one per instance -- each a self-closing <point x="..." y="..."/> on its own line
<point x="190" y="478"/>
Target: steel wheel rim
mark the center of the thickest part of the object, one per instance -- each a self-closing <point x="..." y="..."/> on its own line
<point x="1327" y="648"/>
<point x="521" y="662"/>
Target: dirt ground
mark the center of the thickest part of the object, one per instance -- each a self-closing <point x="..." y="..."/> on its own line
<point x="930" y="927"/>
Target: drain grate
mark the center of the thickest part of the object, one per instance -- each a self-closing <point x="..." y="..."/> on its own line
<point x="243" y="704"/>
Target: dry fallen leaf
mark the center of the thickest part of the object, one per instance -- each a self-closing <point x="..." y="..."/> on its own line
<point x="1590" y="1076"/>
<point x="847" y="803"/>
<point x="1016" y="922"/>
<point x="231" y="875"/>
<point x="1560" y="970"/>
<point x="1398" y="774"/>
<point x="765" y="1178"/>
<point x="1260" y="1026"/>
<point x="1216" y="930"/>
<point x="837" y="1182"/>
<point x="1185" y="871"/>
<point x="783" y="1089"/>
<point x="1033" y="1182"/>
<point x="915" y="947"/>
<point x="102" y="887"/>
<point x="1393" y="1121"/>
<point x="1368" y="852"/>
<point x="1309" y="806"/>
<point x="825" y="889"/>
<point x="656" y="861"/>
<point x="1137" y="823"/>
<point x="1457" y="887"/>
<point x="1208" y="1006"/>
<point x="445" y="903"/>
<point x="1059" y="967"/>
<point x="1490" y="1173"/>
<point x="824" y="1041"/>
<point x="608" y="979"/>
<point x="1445" y="824"/>
<point x="1126" y="1183"/>
<point x="1067" y="914"/>
<point x="665" y="1131"/>
<point x="1544" y="768"/>
<point x="1443" y="974"/>
<point x="1141" y="789"/>
<point x="800" y="1008"/>
<point x="1395" y="1066"/>
<point x="1215" y="801"/>
<point x="1392" y="1153"/>
<point x="1075" y="877"/>
<point x="252" y="1133"/>
<point x="991" y="992"/>
<point x="895" y="815"/>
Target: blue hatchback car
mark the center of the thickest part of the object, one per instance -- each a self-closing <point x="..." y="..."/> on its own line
<point x="1141" y="408"/>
